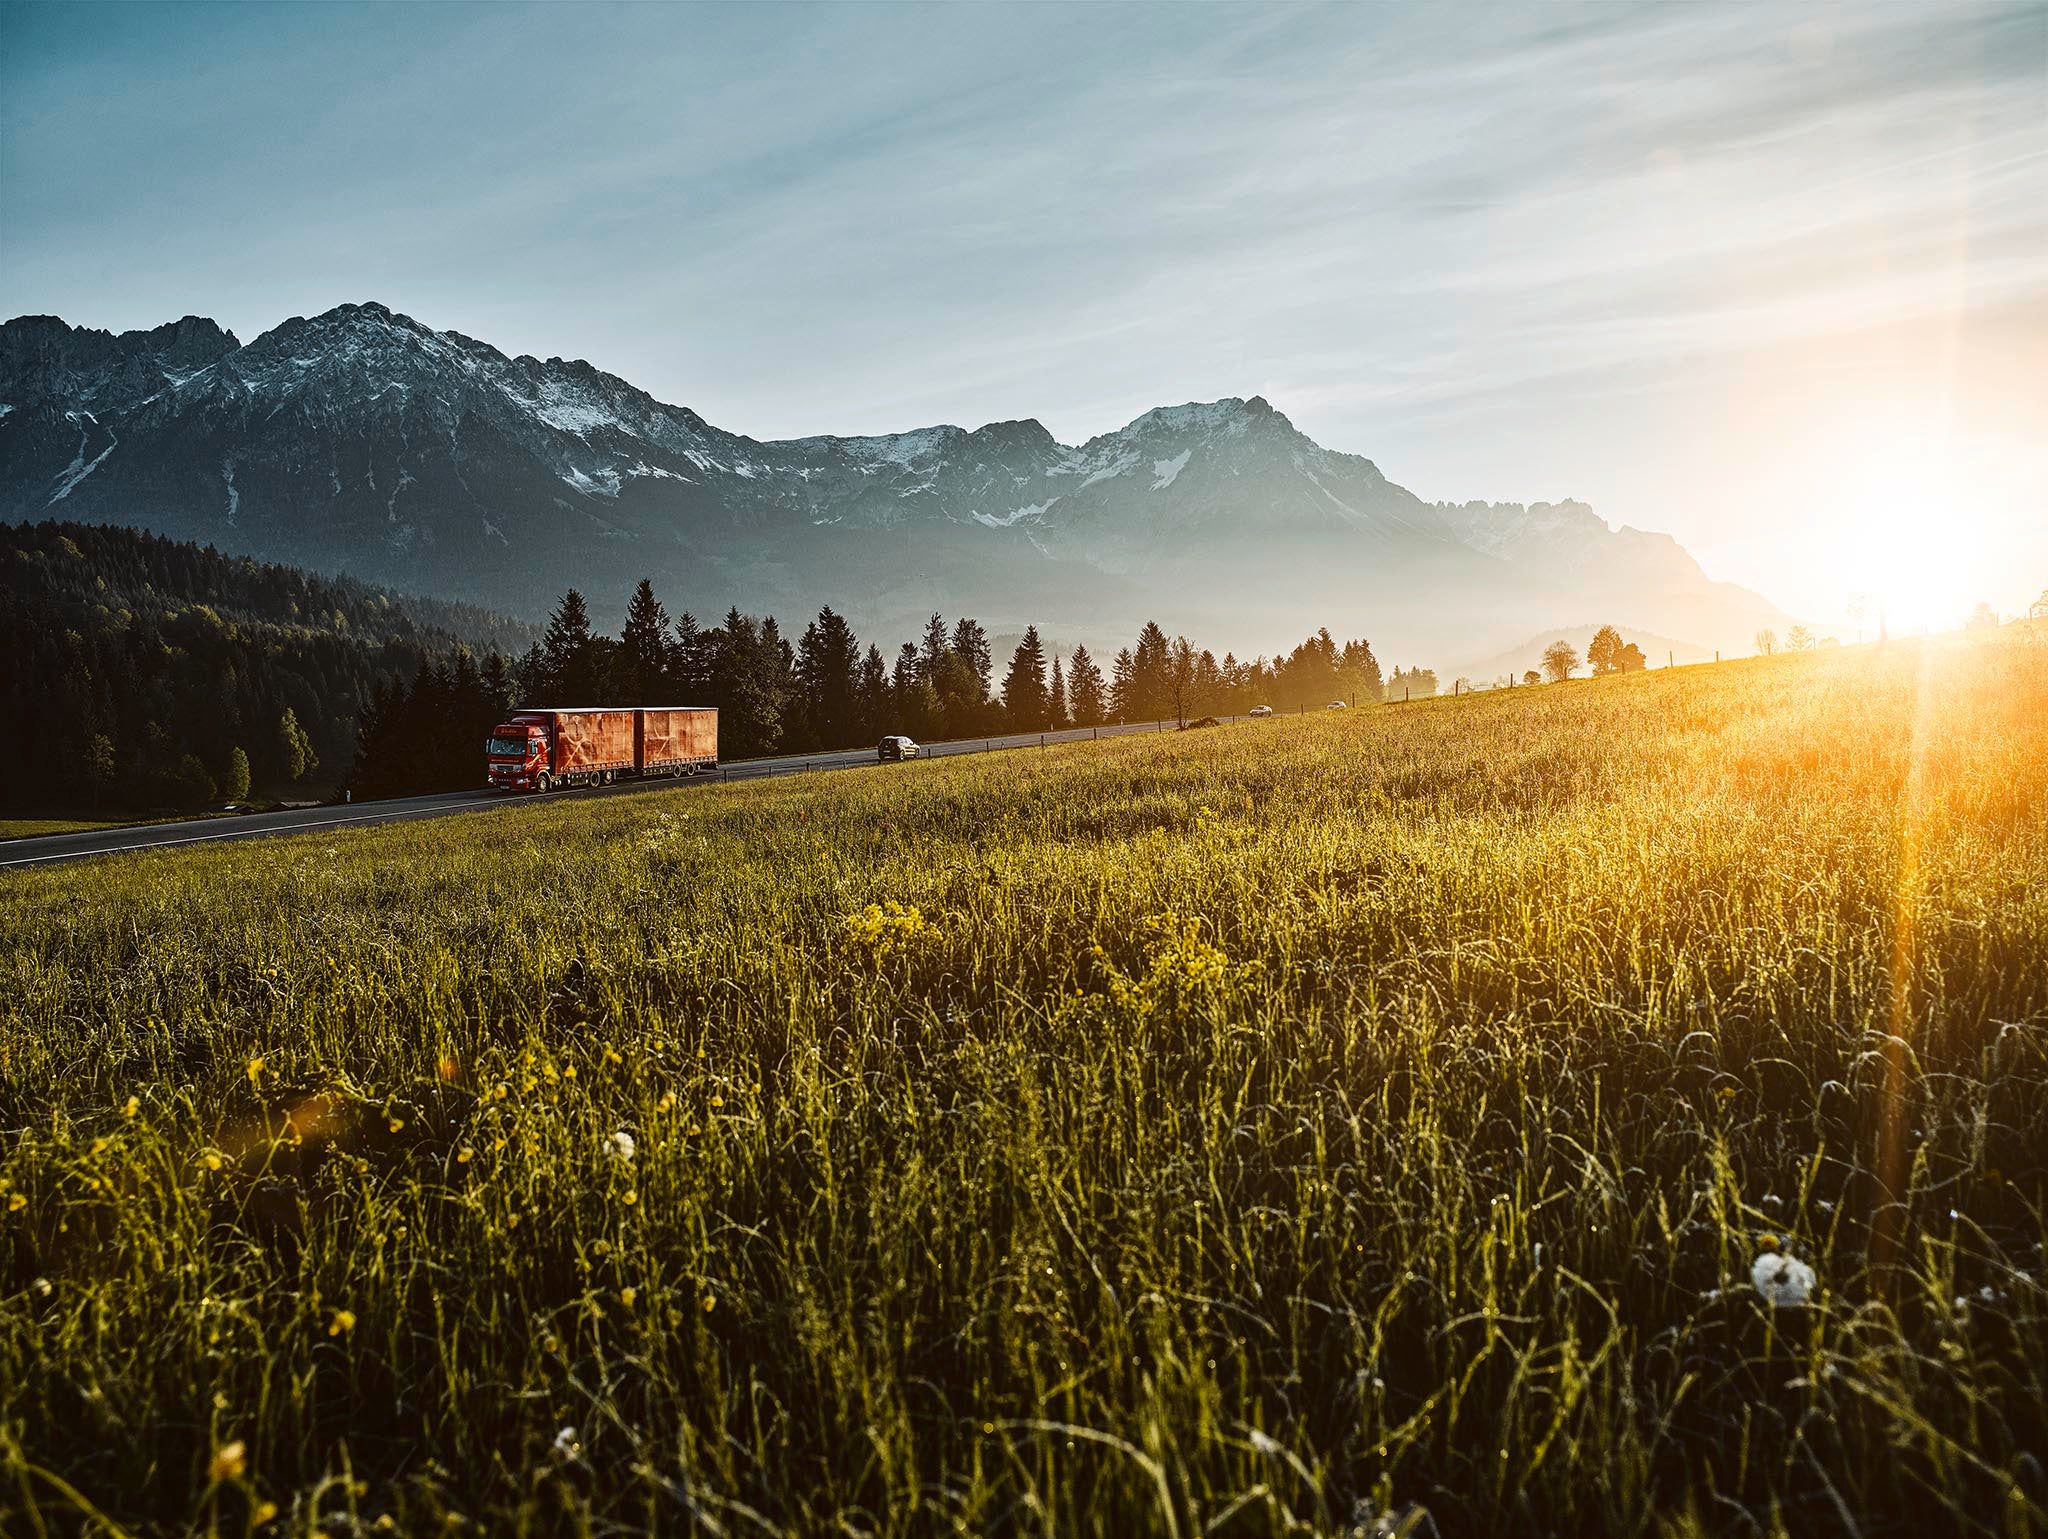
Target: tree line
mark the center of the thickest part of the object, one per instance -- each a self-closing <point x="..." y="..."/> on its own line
<point x="825" y="690"/>
<point x="153" y="675"/>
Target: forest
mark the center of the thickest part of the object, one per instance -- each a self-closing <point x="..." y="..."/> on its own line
<point x="144" y="673"/>
<point x="825" y="690"/>
<point x="156" y="675"/>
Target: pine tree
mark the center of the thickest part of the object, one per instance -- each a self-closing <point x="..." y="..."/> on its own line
<point x="1151" y="691"/>
<point x="913" y="698"/>
<point x="1084" y="690"/>
<point x="872" y="695"/>
<point x="1024" y="699"/>
<point x="497" y="686"/>
<point x="745" y="690"/>
<point x="827" y="668"/>
<point x="693" y="651"/>
<point x="971" y="646"/>
<point x="644" y="648"/>
<point x="566" y="652"/>
<point x="1056" y="697"/>
<point x="931" y="660"/>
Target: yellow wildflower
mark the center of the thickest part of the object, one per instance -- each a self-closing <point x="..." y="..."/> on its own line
<point x="255" y="1070"/>
<point x="134" y="1105"/>
<point x="343" y="1322"/>
<point x="230" y="1461"/>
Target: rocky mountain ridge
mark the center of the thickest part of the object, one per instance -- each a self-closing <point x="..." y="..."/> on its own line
<point x="363" y="441"/>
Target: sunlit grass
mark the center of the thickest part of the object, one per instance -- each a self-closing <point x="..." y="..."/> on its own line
<point x="1251" y="1131"/>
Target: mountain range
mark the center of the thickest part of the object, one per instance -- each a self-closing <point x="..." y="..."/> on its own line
<point x="364" y="442"/>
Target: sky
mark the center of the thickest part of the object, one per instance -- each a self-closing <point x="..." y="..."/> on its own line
<point x="1773" y="278"/>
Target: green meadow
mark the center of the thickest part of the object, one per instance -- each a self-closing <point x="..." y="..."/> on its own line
<point x="1362" y="1124"/>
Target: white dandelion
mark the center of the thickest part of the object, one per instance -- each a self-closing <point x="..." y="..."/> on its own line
<point x="568" y="1446"/>
<point x="1786" y="1282"/>
<point x="621" y="1146"/>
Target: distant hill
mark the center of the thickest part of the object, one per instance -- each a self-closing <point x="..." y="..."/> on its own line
<point x="360" y="440"/>
<point x="139" y="667"/>
<point x="83" y="570"/>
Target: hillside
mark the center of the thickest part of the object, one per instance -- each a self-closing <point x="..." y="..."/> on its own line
<point x="89" y="571"/>
<point x="1289" y="1128"/>
<point x="361" y="440"/>
<point x="141" y="666"/>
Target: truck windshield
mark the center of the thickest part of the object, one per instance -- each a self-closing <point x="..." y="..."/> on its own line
<point x="507" y="747"/>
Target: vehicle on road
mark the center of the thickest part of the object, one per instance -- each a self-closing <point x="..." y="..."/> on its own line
<point x="542" y="748"/>
<point x="1261" y="710"/>
<point x="1335" y="705"/>
<point x="895" y="748"/>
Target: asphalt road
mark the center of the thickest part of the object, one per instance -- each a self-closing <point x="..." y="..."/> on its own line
<point x="50" y="848"/>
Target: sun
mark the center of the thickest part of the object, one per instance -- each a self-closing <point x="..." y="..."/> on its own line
<point x="1908" y="535"/>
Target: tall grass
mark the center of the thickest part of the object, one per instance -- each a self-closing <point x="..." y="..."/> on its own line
<point x="1290" y="1128"/>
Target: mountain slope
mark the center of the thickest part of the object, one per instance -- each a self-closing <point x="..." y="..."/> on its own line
<point x="364" y="441"/>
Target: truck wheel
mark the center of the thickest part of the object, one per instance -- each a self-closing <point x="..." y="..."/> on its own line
<point x="544" y="783"/>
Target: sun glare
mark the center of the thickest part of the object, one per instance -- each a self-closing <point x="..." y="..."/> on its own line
<point x="1906" y="544"/>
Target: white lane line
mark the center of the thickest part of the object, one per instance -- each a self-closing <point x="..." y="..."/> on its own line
<point x="766" y="769"/>
<point x="244" y="833"/>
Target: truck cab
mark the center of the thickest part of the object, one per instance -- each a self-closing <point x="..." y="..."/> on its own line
<point x="518" y="756"/>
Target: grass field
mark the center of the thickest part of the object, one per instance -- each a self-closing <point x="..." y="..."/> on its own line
<point x="1284" y="1128"/>
<point x="32" y="828"/>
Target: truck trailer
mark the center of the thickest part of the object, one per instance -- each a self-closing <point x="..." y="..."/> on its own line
<point x="542" y="748"/>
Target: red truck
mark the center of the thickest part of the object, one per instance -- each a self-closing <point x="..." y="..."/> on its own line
<point x="542" y="747"/>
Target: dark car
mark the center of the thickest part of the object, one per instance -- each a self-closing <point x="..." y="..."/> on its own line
<point x="894" y="749"/>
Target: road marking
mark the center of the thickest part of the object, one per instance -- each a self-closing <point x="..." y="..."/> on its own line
<point x="758" y="769"/>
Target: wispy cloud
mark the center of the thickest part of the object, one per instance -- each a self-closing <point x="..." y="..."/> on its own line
<point x="1411" y="227"/>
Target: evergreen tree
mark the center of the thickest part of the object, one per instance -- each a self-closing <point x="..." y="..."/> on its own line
<point x="1362" y="673"/>
<point x="1056" y="698"/>
<point x="1180" y="677"/>
<point x="497" y="686"/>
<point x="828" y="668"/>
<point x="1024" y="696"/>
<point x="748" y="688"/>
<point x="694" y="651"/>
<point x="932" y="657"/>
<point x="531" y="680"/>
<point x="913" y="696"/>
<point x="568" y="655"/>
<point x="644" y="649"/>
<point x="1123" y="687"/>
<point x="971" y="646"/>
<point x="873" y="696"/>
<point x="1151" y="686"/>
<point x="1085" y="701"/>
